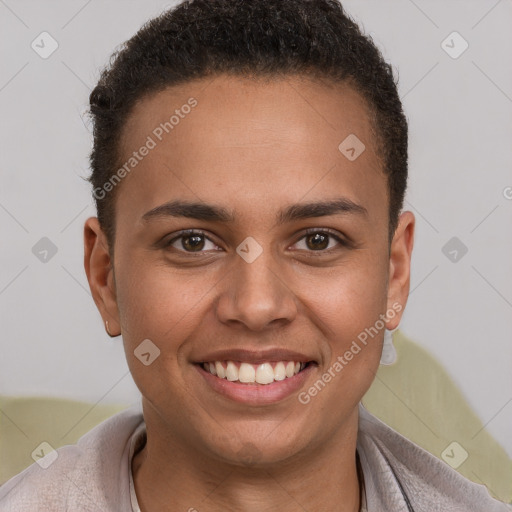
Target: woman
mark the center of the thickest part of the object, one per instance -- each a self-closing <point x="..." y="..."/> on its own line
<point x="249" y="168"/>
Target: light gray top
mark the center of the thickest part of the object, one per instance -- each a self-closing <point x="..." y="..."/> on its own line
<point x="95" y="474"/>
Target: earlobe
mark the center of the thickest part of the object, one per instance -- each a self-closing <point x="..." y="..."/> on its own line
<point x="400" y="268"/>
<point x="100" y="274"/>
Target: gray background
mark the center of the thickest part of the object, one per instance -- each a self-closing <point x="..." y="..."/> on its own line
<point x="460" y="113"/>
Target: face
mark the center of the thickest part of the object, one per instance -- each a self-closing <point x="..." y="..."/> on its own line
<point x="288" y="266"/>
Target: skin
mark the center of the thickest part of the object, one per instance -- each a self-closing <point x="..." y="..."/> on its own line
<point x="253" y="147"/>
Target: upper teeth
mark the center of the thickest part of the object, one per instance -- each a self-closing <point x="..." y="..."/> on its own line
<point x="263" y="373"/>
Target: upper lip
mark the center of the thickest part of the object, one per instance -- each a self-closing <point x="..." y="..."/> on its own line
<point x="256" y="356"/>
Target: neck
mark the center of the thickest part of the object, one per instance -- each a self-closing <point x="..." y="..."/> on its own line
<point x="171" y="478"/>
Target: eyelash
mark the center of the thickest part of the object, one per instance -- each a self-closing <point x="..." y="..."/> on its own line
<point x="310" y="231"/>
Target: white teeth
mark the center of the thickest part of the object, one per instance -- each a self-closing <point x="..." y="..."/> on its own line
<point x="279" y="371"/>
<point x="247" y="373"/>
<point x="231" y="371"/>
<point x="263" y="373"/>
<point x="220" y="370"/>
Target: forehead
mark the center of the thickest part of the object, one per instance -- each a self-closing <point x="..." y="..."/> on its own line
<point x="277" y="139"/>
<point x="292" y="105"/>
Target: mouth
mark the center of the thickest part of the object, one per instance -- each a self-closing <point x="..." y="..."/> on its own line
<point x="256" y="374"/>
<point x="255" y="380"/>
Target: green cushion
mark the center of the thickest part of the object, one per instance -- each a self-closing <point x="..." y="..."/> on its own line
<point x="26" y="422"/>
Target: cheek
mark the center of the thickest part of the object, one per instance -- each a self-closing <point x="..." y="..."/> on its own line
<point x="351" y="308"/>
<point x="155" y="301"/>
<point x="157" y="305"/>
<point x="360" y="303"/>
<point x="353" y="296"/>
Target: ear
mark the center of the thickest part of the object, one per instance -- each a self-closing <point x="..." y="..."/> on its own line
<point x="400" y="268"/>
<point x="100" y="274"/>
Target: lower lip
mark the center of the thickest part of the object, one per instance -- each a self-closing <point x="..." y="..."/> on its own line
<point x="257" y="394"/>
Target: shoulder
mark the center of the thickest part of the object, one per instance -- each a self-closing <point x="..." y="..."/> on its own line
<point x="83" y="477"/>
<point x="399" y="466"/>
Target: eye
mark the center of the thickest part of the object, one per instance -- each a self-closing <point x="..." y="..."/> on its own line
<point x="315" y="240"/>
<point x="191" y="241"/>
<point x="319" y="240"/>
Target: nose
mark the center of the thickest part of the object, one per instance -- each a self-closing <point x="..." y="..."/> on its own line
<point x="256" y="295"/>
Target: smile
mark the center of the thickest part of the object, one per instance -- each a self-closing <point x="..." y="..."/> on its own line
<point x="246" y="373"/>
<point x="259" y="382"/>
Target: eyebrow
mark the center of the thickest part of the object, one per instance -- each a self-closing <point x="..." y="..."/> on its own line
<point x="207" y="212"/>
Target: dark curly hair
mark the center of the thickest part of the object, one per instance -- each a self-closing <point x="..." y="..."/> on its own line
<point x="201" y="38"/>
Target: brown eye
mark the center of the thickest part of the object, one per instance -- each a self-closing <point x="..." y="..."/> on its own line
<point x="321" y="240"/>
<point x="317" y="241"/>
<point x="191" y="241"/>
